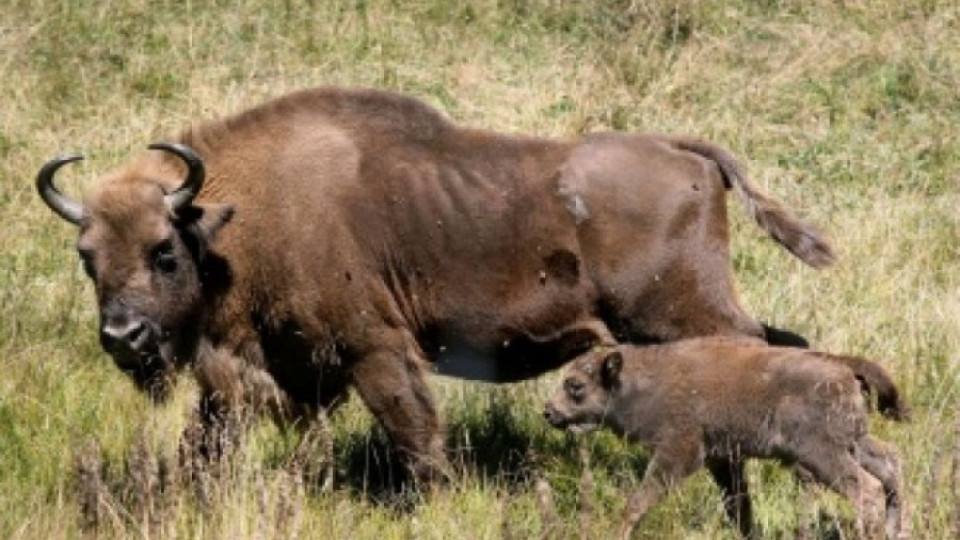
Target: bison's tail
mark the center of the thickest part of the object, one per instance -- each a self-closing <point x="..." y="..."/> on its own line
<point x="873" y="376"/>
<point x="799" y="238"/>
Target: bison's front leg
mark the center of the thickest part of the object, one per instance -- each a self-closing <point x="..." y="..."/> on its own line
<point x="212" y="433"/>
<point x="233" y="391"/>
<point x="391" y="383"/>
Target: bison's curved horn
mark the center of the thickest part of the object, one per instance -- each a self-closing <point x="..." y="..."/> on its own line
<point x="64" y="206"/>
<point x="195" y="173"/>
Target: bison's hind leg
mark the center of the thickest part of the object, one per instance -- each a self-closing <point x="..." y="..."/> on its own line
<point x="881" y="460"/>
<point x="391" y="383"/>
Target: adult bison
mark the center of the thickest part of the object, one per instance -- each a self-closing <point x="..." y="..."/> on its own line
<point x="335" y="237"/>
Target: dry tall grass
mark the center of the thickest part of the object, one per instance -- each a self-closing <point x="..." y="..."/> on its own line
<point x="849" y="111"/>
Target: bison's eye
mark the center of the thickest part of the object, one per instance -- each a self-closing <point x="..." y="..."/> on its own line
<point x="575" y="389"/>
<point x="86" y="258"/>
<point x="163" y="257"/>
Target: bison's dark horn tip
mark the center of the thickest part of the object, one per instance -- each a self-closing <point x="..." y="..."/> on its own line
<point x="57" y="162"/>
<point x="195" y="172"/>
<point x="174" y="147"/>
<point x="184" y="152"/>
<point x="164" y="145"/>
<point x="67" y="208"/>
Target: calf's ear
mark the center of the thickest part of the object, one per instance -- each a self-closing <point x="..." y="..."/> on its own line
<point x="610" y="369"/>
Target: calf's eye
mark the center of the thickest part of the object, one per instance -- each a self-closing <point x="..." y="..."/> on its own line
<point x="575" y="389"/>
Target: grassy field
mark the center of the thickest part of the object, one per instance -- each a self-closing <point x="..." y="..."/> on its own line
<point x="847" y="110"/>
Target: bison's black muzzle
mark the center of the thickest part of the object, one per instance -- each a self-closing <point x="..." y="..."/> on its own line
<point x="133" y="342"/>
<point x="130" y="336"/>
<point x="124" y="333"/>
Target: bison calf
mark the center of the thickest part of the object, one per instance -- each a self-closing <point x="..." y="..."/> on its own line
<point x="715" y="401"/>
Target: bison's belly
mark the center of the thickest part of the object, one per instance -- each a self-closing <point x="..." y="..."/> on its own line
<point x="309" y="373"/>
<point x="513" y="345"/>
<point x="510" y="361"/>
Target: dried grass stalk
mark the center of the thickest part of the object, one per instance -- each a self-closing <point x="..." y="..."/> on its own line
<point x="506" y="527"/>
<point x="955" y="482"/>
<point x="932" y="484"/>
<point x="97" y="507"/>
<point x="290" y="506"/>
<point x="144" y="483"/>
<point x="548" y="510"/>
<point x="313" y="458"/>
<point x="586" y="494"/>
<point x="88" y="469"/>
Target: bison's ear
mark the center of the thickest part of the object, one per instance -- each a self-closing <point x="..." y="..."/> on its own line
<point x="200" y="225"/>
<point x="610" y="370"/>
<point x="205" y="221"/>
<point x="212" y="218"/>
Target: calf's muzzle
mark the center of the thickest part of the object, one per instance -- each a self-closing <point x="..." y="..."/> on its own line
<point x="553" y="416"/>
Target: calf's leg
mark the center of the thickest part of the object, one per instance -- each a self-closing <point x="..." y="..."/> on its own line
<point x="881" y="460"/>
<point x="835" y="468"/>
<point x="673" y="461"/>
<point x="728" y="473"/>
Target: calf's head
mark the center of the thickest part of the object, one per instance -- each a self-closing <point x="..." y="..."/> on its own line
<point x="143" y="243"/>
<point x="583" y="399"/>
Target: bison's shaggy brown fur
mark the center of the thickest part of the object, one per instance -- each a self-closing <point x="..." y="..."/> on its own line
<point x="715" y="401"/>
<point x="358" y="238"/>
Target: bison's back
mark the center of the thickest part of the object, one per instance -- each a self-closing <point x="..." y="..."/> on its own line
<point x="655" y="237"/>
<point x="364" y="208"/>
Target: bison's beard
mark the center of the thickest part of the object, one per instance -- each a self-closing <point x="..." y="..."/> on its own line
<point x="151" y="373"/>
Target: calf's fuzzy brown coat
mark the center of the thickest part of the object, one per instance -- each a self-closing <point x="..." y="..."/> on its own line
<point x="712" y="402"/>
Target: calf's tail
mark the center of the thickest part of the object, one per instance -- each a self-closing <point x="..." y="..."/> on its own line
<point x="873" y="376"/>
<point x="799" y="238"/>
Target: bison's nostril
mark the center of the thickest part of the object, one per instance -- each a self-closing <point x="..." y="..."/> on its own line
<point x="138" y="336"/>
<point x="131" y="335"/>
